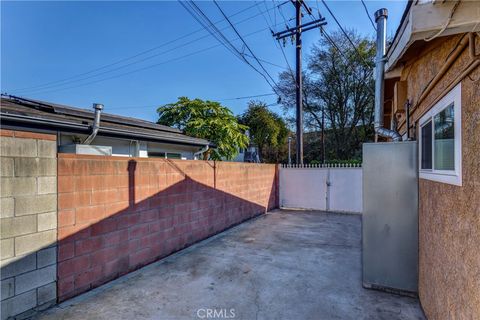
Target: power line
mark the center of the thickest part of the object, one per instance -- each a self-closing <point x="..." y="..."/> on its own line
<point x="274" y="13"/>
<point x="325" y="34"/>
<point x="368" y="15"/>
<point x="214" y="33"/>
<point x="329" y="38"/>
<point x="286" y="60"/>
<point x="248" y="97"/>
<point x="215" y="100"/>
<point x="283" y="16"/>
<point x="64" y="82"/>
<point x="345" y="33"/>
<point x="210" y="27"/>
<point x="149" y="66"/>
<point x="289" y="68"/>
<point x="49" y="84"/>
<point x="274" y="104"/>
<point x="120" y="67"/>
<point x="227" y="43"/>
<point x="268" y="11"/>
<point x="347" y="59"/>
<point x="132" y="71"/>
<point x="318" y="10"/>
<point x="263" y="15"/>
<point x="244" y="42"/>
<point x="268" y="62"/>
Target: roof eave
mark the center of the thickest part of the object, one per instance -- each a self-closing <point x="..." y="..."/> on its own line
<point x="66" y="125"/>
<point x="422" y="20"/>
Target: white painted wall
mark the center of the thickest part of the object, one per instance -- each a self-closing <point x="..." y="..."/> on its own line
<point x="128" y="148"/>
<point x="186" y="152"/>
<point x="329" y="189"/>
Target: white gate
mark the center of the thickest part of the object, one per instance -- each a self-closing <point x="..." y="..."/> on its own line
<point x="327" y="187"/>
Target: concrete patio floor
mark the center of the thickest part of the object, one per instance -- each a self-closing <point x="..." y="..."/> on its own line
<point x="283" y="265"/>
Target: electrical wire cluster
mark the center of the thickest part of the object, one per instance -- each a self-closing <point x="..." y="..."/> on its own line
<point x="269" y="13"/>
<point x="111" y="70"/>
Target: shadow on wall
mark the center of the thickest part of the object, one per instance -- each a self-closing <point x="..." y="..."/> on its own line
<point x="149" y="227"/>
<point x="115" y="218"/>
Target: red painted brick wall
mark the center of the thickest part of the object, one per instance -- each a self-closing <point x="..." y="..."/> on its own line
<point x="118" y="214"/>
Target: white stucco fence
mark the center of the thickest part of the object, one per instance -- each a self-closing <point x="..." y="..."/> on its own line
<point x="328" y="188"/>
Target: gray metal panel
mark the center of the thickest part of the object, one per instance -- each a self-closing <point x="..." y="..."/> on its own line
<point x="390" y="216"/>
<point x="86" y="149"/>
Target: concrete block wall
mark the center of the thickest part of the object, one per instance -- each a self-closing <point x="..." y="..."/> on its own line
<point x="118" y="214"/>
<point x="28" y="207"/>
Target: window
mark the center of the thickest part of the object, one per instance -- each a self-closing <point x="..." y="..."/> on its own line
<point x="156" y="154"/>
<point x="427" y="145"/>
<point x="440" y="140"/>
<point x="444" y="148"/>
<point x="166" y="155"/>
<point x="174" y="156"/>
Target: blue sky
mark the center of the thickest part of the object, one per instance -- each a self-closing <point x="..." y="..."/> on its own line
<point x="44" y="42"/>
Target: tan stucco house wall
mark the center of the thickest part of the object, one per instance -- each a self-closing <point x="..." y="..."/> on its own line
<point x="449" y="215"/>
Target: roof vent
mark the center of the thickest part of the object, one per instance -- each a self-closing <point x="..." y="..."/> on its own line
<point x="96" y="123"/>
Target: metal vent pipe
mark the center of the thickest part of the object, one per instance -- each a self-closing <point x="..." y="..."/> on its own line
<point x="96" y="123"/>
<point x="381" y="20"/>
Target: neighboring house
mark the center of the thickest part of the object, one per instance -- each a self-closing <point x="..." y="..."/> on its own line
<point x="248" y="154"/>
<point x="115" y="135"/>
<point x="432" y="75"/>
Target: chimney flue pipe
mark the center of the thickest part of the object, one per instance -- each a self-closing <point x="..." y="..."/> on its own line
<point x="96" y="123"/>
<point x="381" y="20"/>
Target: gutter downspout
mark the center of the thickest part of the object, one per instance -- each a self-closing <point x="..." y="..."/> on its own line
<point x="96" y="123"/>
<point x="199" y="153"/>
<point x="381" y="20"/>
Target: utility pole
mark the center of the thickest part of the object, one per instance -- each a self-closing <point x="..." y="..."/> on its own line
<point x="297" y="32"/>
<point x="298" y="80"/>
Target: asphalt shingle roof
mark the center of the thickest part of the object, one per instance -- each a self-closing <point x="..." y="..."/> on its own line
<point x="55" y="115"/>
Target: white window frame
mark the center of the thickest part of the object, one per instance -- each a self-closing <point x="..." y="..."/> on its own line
<point x="446" y="176"/>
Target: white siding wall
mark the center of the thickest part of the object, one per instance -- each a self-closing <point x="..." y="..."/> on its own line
<point x="126" y="148"/>
<point x="186" y="152"/>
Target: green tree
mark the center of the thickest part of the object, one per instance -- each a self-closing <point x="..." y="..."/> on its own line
<point x="267" y="130"/>
<point x="208" y="120"/>
<point x="338" y="94"/>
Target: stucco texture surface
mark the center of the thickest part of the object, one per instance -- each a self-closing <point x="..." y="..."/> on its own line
<point x="449" y="216"/>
